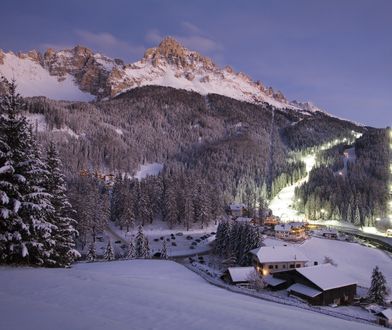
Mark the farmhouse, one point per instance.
(271, 259)
(293, 231)
(238, 275)
(319, 285)
(237, 209)
(384, 318)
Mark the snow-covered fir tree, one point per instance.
(109, 253)
(164, 250)
(91, 252)
(65, 233)
(378, 290)
(25, 230)
(142, 249)
(130, 251)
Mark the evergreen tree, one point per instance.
(131, 250)
(357, 217)
(109, 253)
(25, 232)
(91, 253)
(142, 249)
(164, 250)
(65, 233)
(378, 290)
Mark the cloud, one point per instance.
(109, 44)
(191, 28)
(153, 36)
(200, 43)
(103, 42)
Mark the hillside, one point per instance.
(110, 295)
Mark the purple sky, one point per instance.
(336, 53)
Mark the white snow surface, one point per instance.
(240, 274)
(279, 253)
(148, 169)
(140, 294)
(326, 276)
(221, 82)
(33, 80)
(303, 289)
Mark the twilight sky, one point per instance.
(335, 53)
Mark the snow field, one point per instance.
(139, 294)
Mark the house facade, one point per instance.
(272, 259)
(293, 231)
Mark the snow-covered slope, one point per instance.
(33, 80)
(140, 294)
(55, 73)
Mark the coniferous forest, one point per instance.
(214, 150)
(359, 196)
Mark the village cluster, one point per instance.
(285, 268)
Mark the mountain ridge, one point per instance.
(89, 76)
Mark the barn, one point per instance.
(319, 285)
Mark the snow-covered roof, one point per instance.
(326, 276)
(267, 254)
(329, 231)
(237, 206)
(272, 281)
(240, 274)
(243, 219)
(305, 290)
(288, 226)
(387, 313)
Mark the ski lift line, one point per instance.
(271, 152)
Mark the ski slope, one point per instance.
(140, 294)
(281, 204)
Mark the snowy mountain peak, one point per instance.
(83, 74)
(172, 52)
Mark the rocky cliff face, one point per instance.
(169, 64)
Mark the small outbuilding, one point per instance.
(238, 275)
(384, 318)
(237, 209)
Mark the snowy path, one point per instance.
(140, 294)
(281, 204)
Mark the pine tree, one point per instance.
(357, 217)
(164, 250)
(109, 253)
(131, 250)
(91, 253)
(349, 213)
(25, 232)
(378, 288)
(142, 249)
(65, 233)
